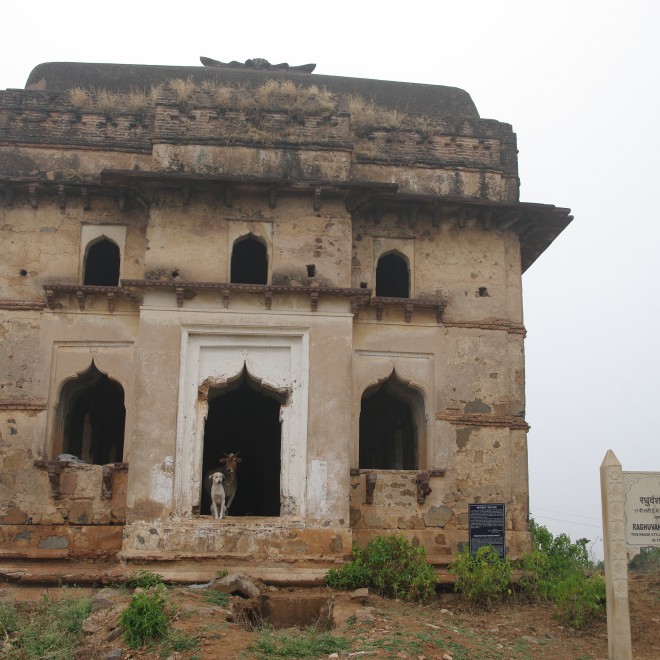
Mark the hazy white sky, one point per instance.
(578, 81)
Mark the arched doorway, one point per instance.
(392, 276)
(93, 416)
(249, 261)
(102, 263)
(244, 417)
(391, 420)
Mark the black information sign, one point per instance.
(487, 527)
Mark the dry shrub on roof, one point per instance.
(273, 94)
(79, 98)
(184, 90)
(111, 103)
(222, 95)
(367, 116)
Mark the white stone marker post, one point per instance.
(616, 558)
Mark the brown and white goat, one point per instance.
(230, 462)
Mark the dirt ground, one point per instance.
(380, 628)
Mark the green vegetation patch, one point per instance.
(47, 629)
(309, 643)
(391, 565)
(483, 578)
(146, 618)
(561, 571)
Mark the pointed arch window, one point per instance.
(249, 261)
(391, 423)
(92, 417)
(244, 417)
(102, 260)
(392, 276)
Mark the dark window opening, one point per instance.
(249, 262)
(311, 270)
(94, 417)
(102, 264)
(388, 427)
(392, 277)
(245, 420)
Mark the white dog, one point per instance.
(217, 495)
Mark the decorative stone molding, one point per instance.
(22, 405)
(53, 291)
(19, 305)
(408, 305)
(489, 324)
(483, 419)
(187, 290)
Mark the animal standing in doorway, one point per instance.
(217, 495)
(230, 462)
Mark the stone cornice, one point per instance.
(482, 419)
(18, 305)
(22, 404)
(490, 324)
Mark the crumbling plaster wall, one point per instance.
(196, 240)
(151, 491)
(45, 242)
(476, 270)
(56, 347)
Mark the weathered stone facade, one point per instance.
(330, 286)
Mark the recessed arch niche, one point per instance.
(392, 419)
(403, 378)
(91, 417)
(272, 363)
(243, 417)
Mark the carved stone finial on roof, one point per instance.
(257, 63)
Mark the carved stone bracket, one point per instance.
(108, 478)
(371, 486)
(106, 483)
(409, 305)
(54, 472)
(423, 486)
(54, 469)
(82, 291)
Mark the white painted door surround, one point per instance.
(279, 358)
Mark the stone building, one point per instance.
(320, 273)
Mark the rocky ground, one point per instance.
(371, 626)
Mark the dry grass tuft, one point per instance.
(367, 116)
(112, 103)
(183, 89)
(80, 98)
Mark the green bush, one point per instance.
(647, 561)
(391, 566)
(145, 579)
(560, 571)
(578, 598)
(145, 619)
(483, 578)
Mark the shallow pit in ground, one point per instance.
(286, 610)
